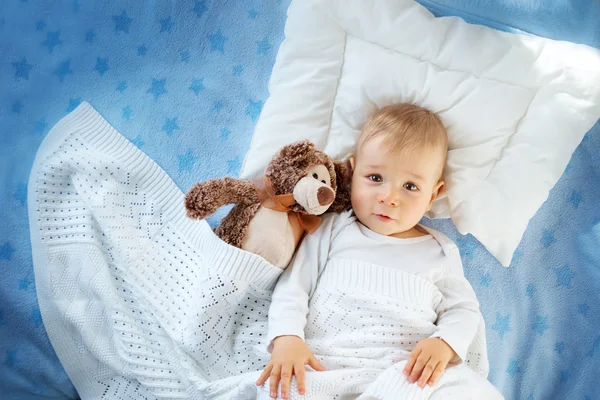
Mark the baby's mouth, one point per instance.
(384, 218)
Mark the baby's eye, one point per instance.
(410, 187)
(375, 178)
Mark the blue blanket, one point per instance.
(189, 78)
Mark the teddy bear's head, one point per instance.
(308, 173)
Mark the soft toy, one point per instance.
(272, 213)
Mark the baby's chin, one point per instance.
(383, 228)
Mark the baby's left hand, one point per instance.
(428, 360)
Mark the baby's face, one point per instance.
(391, 193)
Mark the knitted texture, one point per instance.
(141, 302)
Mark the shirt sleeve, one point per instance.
(458, 312)
(289, 305)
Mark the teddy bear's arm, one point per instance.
(204, 198)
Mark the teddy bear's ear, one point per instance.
(343, 177)
(297, 150)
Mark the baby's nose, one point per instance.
(389, 198)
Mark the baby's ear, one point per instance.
(438, 190)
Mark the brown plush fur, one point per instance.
(343, 176)
(286, 168)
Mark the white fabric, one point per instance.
(425, 275)
(516, 106)
(140, 302)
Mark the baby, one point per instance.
(373, 289)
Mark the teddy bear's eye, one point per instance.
(315, 176)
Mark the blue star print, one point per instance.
(530, 290)
(22, 69)
(73, 103)
(121, 86)
(76, 6)
(583, 309)
(40, 126)
(237, 70)
(516, 257)
(185, 56)
(127, 112)
(559, 347)
(547, 238)
(197, 86)
(158, 88)
(166, 25)
(142, 50)
(187, 161)
(199, 7)
(40, 25)
(263, 47)
(564, 275)
(225, 133)
(233, 166)
(502, 324)
(63, 70)
(101, 65)
(541, 325)
(513, 367)
(254, 108)
(252, 14)
(138, 141)
(89, 36)
(486, 279)
(564, 375)
(122, 22)
(467, 246)
(217, 42)
(36, 317)
(25, 282)
(52, 41)
(218, 106)
(17, 106)
(21, 193)
(576, 199)
(6, 251)
(170, 126)
(11, 358)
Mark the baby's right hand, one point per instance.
(288, 358)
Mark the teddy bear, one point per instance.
(272, 213)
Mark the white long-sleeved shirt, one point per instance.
(343, 241)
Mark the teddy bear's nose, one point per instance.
(325, 195)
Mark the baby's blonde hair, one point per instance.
(407, 127)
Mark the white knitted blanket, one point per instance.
(140, 302)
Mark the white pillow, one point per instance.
(515, 106)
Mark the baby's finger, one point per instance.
(300, 373)
(439, 370)
(265, 374)
(274, 383)
(412, 359)
(315, 364)
(286, 377)
(418, 368)
(429, 368)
